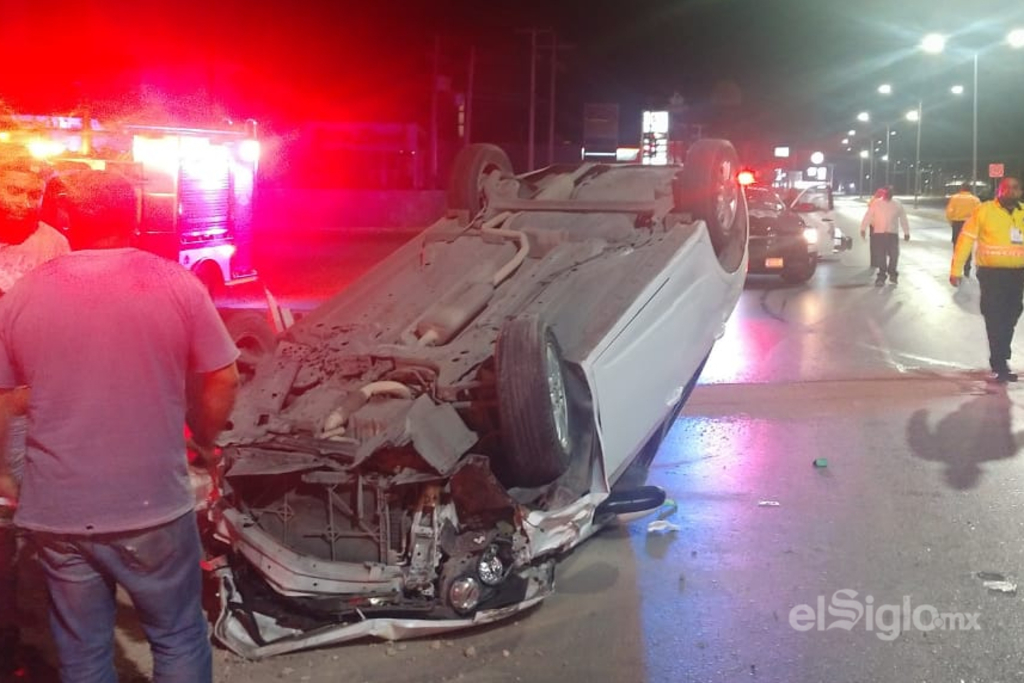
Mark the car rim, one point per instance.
(556, 393)
(725, 198)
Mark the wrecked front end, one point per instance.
(392, 528)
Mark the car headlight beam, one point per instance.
(811, 235)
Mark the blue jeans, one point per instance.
(159, 568)
(8, 541)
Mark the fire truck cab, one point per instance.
(195, 190)
(195, 187)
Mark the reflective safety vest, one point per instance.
(961, 206)
(999, 235)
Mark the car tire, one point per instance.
(707, 188)
(534, 408)
(252, 335)
(800, 274)
(472, 164)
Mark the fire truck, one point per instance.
(195, 189)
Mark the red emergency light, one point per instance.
(745, 178)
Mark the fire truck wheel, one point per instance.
(707, 188)
(254, 337)
(209, 274)
(472, 165)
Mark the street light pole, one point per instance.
(917, 156)
(974, 153)
(887, 159)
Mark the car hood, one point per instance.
(766, 224)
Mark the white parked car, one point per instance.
(816, 206)
(417, 453)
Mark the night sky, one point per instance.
(803, 67)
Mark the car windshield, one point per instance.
(763, 202)
(815, 196)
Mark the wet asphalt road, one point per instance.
(919, 504)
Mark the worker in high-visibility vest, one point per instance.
(958, 209)
(997, 226)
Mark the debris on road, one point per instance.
(821, 462)
(768, 503)
(470, 652)
(1008, 587)
(668, 508)
(659, 525)
(997, 583)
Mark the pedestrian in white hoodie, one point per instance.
(885, 216)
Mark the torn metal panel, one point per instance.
(257, 461)
(481, 500)
(438, 434)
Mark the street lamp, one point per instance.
(885, 89)
(934, 43)
(957, 90)
(863, 117)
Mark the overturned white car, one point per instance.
(417, 453)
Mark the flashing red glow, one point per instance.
(249, 151)
(745, 178)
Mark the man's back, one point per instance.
(105, 340)
(960, 206)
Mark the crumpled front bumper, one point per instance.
(256, 636)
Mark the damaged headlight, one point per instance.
(464, 594)
(492, 567)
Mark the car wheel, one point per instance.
(252, 335)
(472, 165)
(533, 404)
(800, 274)
(707, 189)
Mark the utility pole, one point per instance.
(551, 104)
(469, 95)
(555, 48)
(433, 111)
(533, 98)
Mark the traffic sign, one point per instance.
(995, 170)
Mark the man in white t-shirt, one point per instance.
(884, 217)
(25, 242)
